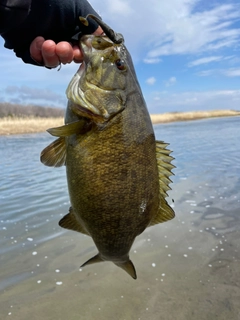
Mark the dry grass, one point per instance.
(17, 125)
(193, 115)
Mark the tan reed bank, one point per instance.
(21, 125)
(192, 115)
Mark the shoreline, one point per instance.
(192, 116)
(24, 125)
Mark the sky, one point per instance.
(186, 54)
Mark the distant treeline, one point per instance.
(17, 110)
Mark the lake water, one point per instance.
(188, 268)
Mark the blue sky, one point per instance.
(186, 54)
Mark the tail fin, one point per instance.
(128, 266)
(94, 259)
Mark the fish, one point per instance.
(118, 174)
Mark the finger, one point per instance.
(36, 49)
(50, 57)
(64, 52)
(77, 54)
(99, 31)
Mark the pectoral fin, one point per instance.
(54, 155)
(70, 222)
(165, 212)
(69, 129)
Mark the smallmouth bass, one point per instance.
(117, 173)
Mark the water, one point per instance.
(188, 268)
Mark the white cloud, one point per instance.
(232, 72)
(206, 73)
(190, 32)
(194, 100)
(33, 95)
(118, 7)
(205, 61)
(170, 82)
(155, 28)
(151, 81)
(152, 61)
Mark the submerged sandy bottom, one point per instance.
(187, 268)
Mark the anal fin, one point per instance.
(70, 222)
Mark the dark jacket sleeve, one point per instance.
(21, 21)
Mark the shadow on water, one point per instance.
(188, 268)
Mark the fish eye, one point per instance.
(120, 64)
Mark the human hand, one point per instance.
(50, 54)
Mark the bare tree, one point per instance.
(16, 110)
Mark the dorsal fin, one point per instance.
(54, 155)
(165, 212)
(164, 166)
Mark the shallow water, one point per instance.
(188, 268)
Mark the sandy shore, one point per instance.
(17, 125)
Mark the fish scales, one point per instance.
(109, 173)
(113, 162)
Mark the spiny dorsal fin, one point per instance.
(54, 155)
(165, 212)
(68, 129)
(70, 222)
(164, 166)
(128, 266)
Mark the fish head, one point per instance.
(98, 90)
